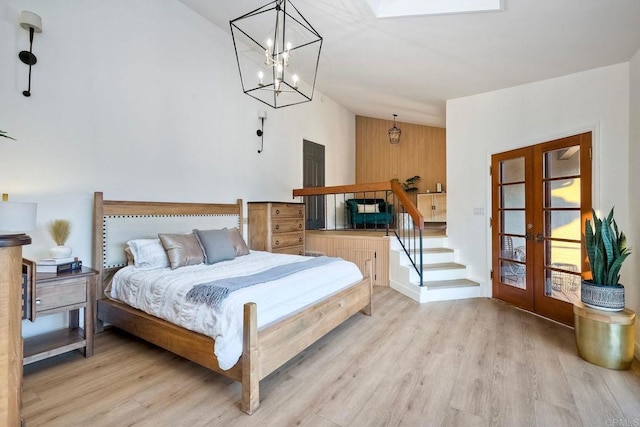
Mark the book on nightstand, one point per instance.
(56, 261)
(59, 268)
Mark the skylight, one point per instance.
(395, 8)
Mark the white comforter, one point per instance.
(161, 292)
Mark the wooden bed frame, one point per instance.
(264, 349)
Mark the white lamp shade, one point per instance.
(31, 20)
(16, 217)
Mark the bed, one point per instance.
(264, 348)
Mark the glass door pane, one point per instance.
(562, 223)
(513, 269)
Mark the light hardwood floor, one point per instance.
(474, 362)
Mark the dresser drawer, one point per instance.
(287, 225)
(287, 239)
(291, 250)
(60, 294)
(287, 211)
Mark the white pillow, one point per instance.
(148, 253)
(372, 208)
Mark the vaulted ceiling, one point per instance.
(411, 65)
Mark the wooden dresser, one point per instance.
(276, 227)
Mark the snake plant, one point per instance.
(606, 249)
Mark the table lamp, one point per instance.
(16, 217)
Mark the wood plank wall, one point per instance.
(354, 247)
(421, 151)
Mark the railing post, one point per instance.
(421, 272)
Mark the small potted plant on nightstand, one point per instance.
(607, 250)
(59, 230)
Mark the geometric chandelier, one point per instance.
(278, 53)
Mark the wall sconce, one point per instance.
(262, 115)
(33, 23)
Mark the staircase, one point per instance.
(443, 278)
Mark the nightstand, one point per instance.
(49, 293)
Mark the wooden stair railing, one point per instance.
(409, 233)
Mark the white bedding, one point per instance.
(161, 292)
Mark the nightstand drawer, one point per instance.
(60, 294)
(287, 239)
(287, 225)
(287, 211)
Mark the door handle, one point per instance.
(539, 238)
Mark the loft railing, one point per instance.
(369, 207)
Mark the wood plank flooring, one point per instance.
(476, 362)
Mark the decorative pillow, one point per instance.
(216, 245)
(182, 249)
(129, 254)
(374, 208)
(237, 241)
(148, 253)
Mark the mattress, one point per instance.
(161, 292)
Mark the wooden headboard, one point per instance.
(116, 222)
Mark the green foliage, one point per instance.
(3, 134)
(408, 184)
(606, 249)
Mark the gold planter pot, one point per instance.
(605, 338)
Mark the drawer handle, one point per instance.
(38, 301)
(277, 211)
(300, 240)
(277, 242)
(299, 225)
(277, 227)
(300, 212)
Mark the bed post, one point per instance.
(250, 360)
(98, 211)
(368, 274)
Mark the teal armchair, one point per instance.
(363, 212)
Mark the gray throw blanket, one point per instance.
(214, 292)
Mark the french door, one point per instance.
(541, 196)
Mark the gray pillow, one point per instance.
(216, 245)
(182, 249)
(237, 241)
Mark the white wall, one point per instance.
(142, 100)
(482, 125)
(632, 282)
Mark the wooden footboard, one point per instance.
(264, 350)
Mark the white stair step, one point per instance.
(443, 278)
(444, 271)
(427, 242)
(435, 255)
(445, 290)
(448, 284)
